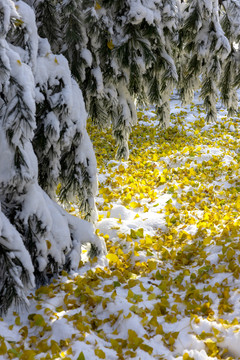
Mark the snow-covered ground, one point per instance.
(170, 219)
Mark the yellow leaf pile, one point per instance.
(172, 286)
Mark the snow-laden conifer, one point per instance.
(135, 59)
(230, 79)
(205, 48)
(130, 53)
(48, 21)
(37, 237)
(121, 54)
(62, 145)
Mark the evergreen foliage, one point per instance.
(230, 79)
(43, 142)
(133, 52)
(207, 47)
(120, 52)
(48, 21)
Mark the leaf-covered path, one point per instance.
(170, 218)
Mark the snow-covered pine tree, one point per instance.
(230, 77)
(62, 145)
(49, 24)
(121, 54)
(167, 76)
(16, 272)
(37, 237)
(204, 49)
(125, 53)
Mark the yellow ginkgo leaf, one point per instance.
(24, 332)
(49, 245)
(97, 6)
(3, 348)
(55, 347)
(17, 320)
(186, 356)
(121, 168)
(18, 22)
(152, 296)
(100, 353)
(28, 355)
(146, 348)
(81, 356)
(162, 179)
(113, 258)
(134, 204)
(110, 44)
